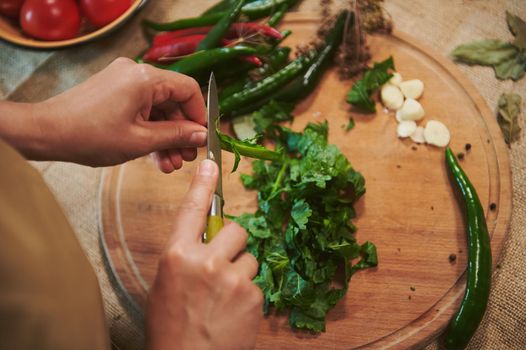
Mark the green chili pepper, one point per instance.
(264, 87)
(221, 6)
(263, 8)
(185, 22)
(276, 60)
(227, 70)
(253, 10)
(215, 34)
(203, 60)
(464, 324)
(304, 85)
(278, 16)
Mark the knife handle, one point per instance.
(215, 218)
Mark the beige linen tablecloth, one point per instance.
(442, 24)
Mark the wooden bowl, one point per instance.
(11, 32)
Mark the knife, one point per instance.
(215, 215)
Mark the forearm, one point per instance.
(27, 127)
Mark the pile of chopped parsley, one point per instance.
(302, 233)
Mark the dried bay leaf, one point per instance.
(512, 68)
(518, 28)
(509, 108)
(485, 52)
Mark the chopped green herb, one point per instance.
(302, 233)
(360, 94)
(350, 125)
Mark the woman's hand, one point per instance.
(203, 296)
(123, 112)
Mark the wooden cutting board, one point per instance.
(409, 211)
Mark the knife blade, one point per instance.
(215, 215)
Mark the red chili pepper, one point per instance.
(168, 37)
(173, 49)
(252, 59)
(236, 30)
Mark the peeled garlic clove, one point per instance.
(244, 127)
(412, 88)
(392, 97)
(436, 133)
(396, 79)
(411, 110)
(398, 117)
(406, 128)
(418, 135)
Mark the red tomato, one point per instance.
(50, 19)
(101, 12)
(10, 8)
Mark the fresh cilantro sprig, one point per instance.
(360, 94)
(302, 233)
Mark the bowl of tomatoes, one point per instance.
(52, 24)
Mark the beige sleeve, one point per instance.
(49, 294)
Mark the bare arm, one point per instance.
(123, 112)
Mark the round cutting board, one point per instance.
(409, 210)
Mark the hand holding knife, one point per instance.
(215, 215)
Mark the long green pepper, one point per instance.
(465, 322)
(221, 6)
(302, 86)
(213, 38)
(277, 59)
(184, 23)
(202, 60)
(264, 87)
(252, 11)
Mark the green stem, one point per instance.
(279, 178)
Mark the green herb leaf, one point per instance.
(512, 68)
(270, 113)
(375, 77)
(359, 97)
(302, 235)
(509, 108)
(350, 125)
(518, 28)
(485, 52)
(369, 257)
(301, 213)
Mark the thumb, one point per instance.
(169, 134)
(190, 219)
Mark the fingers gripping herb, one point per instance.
(301, 232)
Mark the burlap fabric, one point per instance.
(441, 24)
